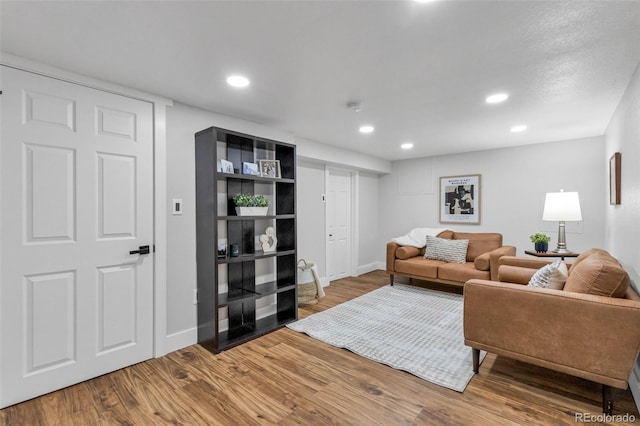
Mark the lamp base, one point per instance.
(562, 240)
(561, 250)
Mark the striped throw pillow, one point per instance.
(553, 276)
(453, 251)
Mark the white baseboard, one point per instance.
(324, 281)
(363, 269)
(181, 339)
(634, 384)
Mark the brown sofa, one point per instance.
(483, 253)
(590, 329)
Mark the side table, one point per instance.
(551, 254)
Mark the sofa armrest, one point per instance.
(391, 256)
(525, 262)
(593, 337)
(519, 270)
(494, 258)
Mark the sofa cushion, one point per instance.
(405, 252)
(553, 276)
(461, 272)
(586, 254)
(599, 274)
(483, 262)
(418, 266)
(446, 250)
(479, 242)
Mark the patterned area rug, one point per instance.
(408, 328)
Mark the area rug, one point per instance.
(408, 328)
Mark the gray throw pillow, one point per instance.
(453, 251)
(554, 275)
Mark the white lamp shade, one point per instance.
(562, 206)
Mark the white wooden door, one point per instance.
(76, 197)
(338, 224)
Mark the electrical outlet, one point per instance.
(195, 296)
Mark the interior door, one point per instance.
(76, 198)
(338, 224)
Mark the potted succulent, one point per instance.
(251, 205)
(541, 242)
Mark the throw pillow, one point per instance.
(453, 251)
(599, 274)
(553, 276)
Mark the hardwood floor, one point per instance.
(290, 378)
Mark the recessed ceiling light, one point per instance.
(238, 81)
(406, 145)
(423, 1)
(519, 128)
(366, 129)
(497, 98)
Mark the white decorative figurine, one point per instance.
(269, 240)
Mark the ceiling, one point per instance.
(421, 71)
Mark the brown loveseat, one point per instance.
(590, 329)
(483, 253)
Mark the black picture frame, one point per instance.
(614, 178)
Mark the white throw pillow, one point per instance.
(553, 276)
(453, 251)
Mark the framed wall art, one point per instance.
(460, 199)
(614, 178)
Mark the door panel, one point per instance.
(50, 193)
(76, 181)
(116, 196)
(49, 109)
(116, 307)
(50, 318)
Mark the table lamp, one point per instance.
(562, 207)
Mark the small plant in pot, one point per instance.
(541, 242)
(251, 205)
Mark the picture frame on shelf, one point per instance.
(226, 166)
(460, 199)
(614, 178)
(270, 168)
(250, 169)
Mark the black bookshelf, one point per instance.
(214, 210)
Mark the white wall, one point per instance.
(513, 186)
(334, 156)
(623, 221)
(368, 223)
(310, 186)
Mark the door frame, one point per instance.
(353, 219)
(159, 108)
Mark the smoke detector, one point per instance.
(354, 106)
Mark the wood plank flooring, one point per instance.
(289, 378)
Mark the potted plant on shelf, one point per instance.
(541, 242)
(251, 205)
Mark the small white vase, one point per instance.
(252, 211)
